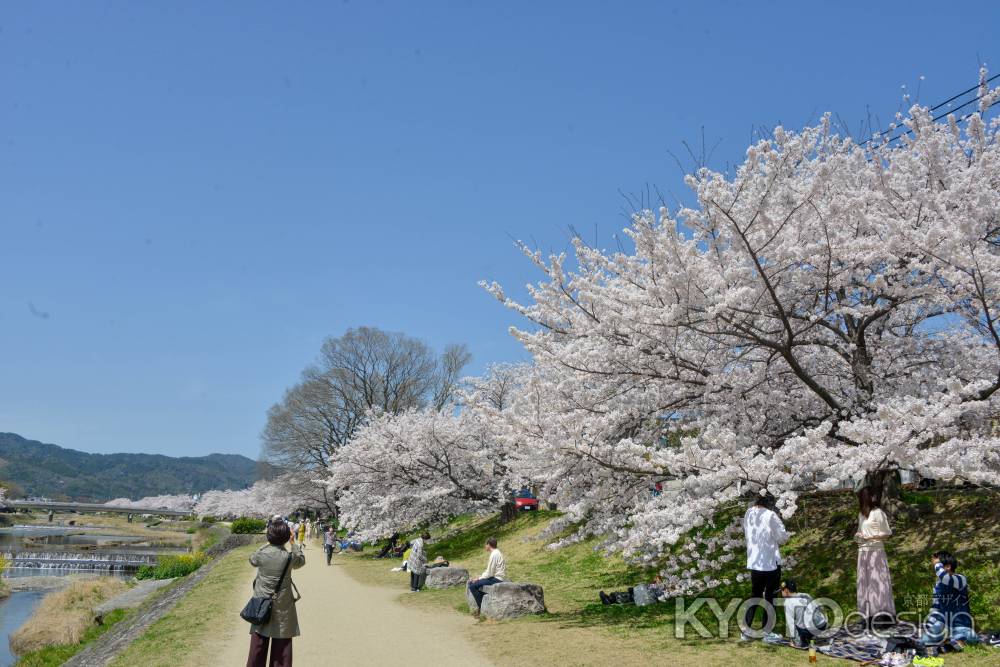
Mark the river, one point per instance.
(14, 611)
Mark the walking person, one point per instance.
(496, 572)
(764, 533)
(416, 564)
(875, 602)
(329, 540)
(273, 562)
(302, 534)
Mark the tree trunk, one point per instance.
(888, 486)
(508, 512)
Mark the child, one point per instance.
(803, 617)
(950, 609)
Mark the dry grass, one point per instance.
(62, 617)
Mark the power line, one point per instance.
(964, 92)
(943, 115)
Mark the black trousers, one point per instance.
(763, 584)
(329, 552)
(281, 651)
(417, 581)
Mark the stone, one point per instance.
(446, 577)
(643, 596)
(130, 599)
(508, 600)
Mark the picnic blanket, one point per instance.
(852, 643)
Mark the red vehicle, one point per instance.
(525, 500)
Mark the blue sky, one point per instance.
(193, 195)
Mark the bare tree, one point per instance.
(364, 369)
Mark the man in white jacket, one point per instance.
(496, 572)
(764, 533)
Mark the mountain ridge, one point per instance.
(49, 470)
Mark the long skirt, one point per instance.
(874, 582)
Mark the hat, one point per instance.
(439, 559)
(788, 584)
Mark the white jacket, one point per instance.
(496, 567)
(764, 532)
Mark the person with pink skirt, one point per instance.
(875, 602)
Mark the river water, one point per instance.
(14, 611)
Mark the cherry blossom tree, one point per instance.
(825, 315)
(262, 500)
(419, 466)
(177, 503)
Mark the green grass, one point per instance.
(170, 566)
(183, 634)
(52, 656)
(966, 522)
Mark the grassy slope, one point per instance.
(184, 636)
(52, 656)
(579, 630)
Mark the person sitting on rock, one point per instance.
(496, 572)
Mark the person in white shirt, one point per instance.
(764, 533)
(496, 572)
(875, 601)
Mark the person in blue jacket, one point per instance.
(950, 609)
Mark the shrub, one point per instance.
(246, 525)
(172, 566)
(209, 519)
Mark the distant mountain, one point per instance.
(66, 474)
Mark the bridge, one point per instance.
(91, 507)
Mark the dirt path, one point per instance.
(344, 622)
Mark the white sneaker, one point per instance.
(744, 637)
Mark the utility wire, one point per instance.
(940, 116)
(964, 92)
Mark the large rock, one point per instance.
(446, 577)
(511, 600)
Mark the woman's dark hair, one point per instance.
(278, 533)
(868, 500)
(425, 535)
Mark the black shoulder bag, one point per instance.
(258, 610)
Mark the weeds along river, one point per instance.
(40, 558)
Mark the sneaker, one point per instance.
(928, 661)
(744, 637)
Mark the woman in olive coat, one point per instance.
(270, 561)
